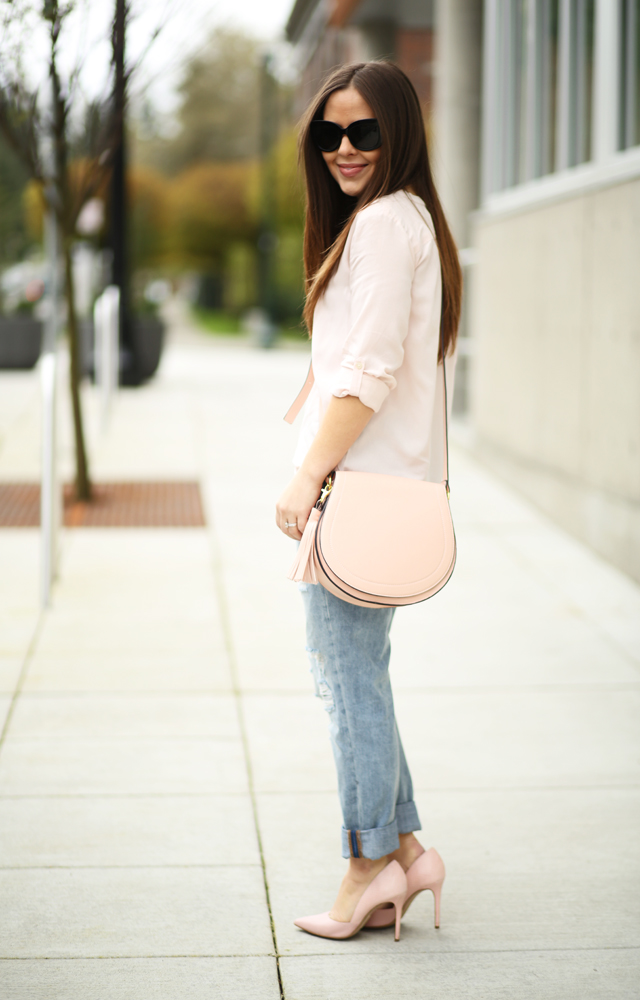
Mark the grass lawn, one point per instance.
(216, 321)
(225, 324)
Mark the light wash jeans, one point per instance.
(349, 651)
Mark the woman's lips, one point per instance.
(351, 169)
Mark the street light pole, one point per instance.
(267, 239)
(120, 262)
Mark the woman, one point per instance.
(383, 305)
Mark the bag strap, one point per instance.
(303, 395)
(445, 459)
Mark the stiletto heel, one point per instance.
(437, 890)
(398, 904)
(426, 872)
(389, 886)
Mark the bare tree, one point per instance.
(68, 182)
(25, 119)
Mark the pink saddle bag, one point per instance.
(376, 540)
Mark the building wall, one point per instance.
(332, 50)
(455, 148)
(556, 391)
(412, 51)
(401, 30)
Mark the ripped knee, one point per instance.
(323, 691)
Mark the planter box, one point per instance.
(147, 333)
(20, 341)
(148, 341)
(86, 334)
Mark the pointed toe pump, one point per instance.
(426, 872)
(389, 886)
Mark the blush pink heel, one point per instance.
(389, 886)
(426, 872)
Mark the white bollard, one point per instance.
(106, 318)
(50, 491)
(49, 499)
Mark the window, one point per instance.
(575, 79)
(539, 58)
(629, 74)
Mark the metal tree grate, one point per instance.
(114, 505)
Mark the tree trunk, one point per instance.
(83, 483)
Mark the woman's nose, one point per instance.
(346, 149)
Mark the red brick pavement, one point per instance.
(114, 505)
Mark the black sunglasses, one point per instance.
(363, 135)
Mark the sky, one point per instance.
(186, 24)
(189, 22)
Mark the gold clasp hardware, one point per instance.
(446, 485)
(327, 486)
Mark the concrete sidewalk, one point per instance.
(168, 801)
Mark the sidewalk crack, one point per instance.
(223, 607)
(22, 676)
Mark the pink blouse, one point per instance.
(375, 336)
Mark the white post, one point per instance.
(50, 500)
(605, 84)
(457, 110)
(106, 347)
(490, 101)
(98, 350)
(114, 338)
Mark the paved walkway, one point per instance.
(168, 798)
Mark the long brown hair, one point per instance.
(403, 163)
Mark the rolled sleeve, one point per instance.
(382, 266)
(353, 380)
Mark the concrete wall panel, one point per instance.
(612, 368)
(556, 394)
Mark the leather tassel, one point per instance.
(303, 569)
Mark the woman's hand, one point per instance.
(296, 503)
(342, 424)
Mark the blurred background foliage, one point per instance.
(219, 111)
(196, 190)
(198, 194)
(15, 237)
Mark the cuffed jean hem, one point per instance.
(381, 840)
(407, 817)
